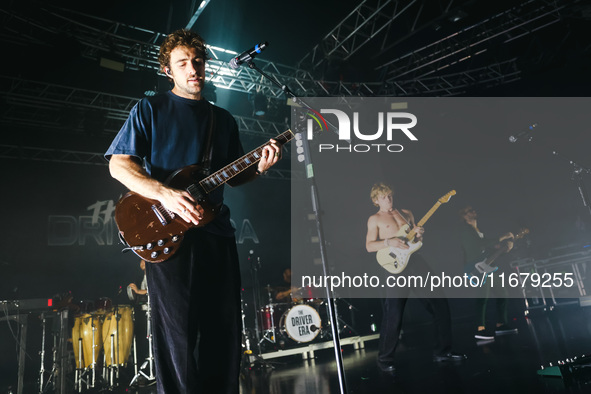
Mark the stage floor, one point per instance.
(507, 365)
(510, 364)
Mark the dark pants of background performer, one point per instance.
(501, 303)
(393, 310)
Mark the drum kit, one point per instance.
(287, 317)
(297, 321)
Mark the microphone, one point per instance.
(523, 133)
(248, 55)
(314, 328)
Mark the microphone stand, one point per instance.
(316, 208)
(577, 176)
(255, 265)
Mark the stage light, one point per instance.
(112, 63)
(457, 16)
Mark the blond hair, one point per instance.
(377, 190)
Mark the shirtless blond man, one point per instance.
(382, 229)
(383, 226)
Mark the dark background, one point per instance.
(552, 61)
(463, 145)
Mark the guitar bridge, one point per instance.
(159, 215)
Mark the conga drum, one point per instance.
(76, 336)
(118, 325)
(84, 325)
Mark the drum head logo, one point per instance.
(302, 323)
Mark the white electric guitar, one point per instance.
(395, 260)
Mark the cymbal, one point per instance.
(298, 292)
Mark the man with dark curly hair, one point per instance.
(194, 295)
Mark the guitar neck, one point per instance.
(228, 172)
(502, 248)
(491, 259)
(421, 223)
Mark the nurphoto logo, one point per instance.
(390, 125)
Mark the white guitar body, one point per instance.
(394, 260)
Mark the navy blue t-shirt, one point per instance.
(168, 132)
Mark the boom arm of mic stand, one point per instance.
(289, 93)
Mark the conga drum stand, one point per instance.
(86, 375)
(111, 353)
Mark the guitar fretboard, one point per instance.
(429, 214)
(228, 172)
(411, 234)
(421, 222)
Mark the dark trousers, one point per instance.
(393, 311)
(195, 301)
(501, 304)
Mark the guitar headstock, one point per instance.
(522, 233)
(447, 197)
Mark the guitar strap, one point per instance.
(403, 217)
(207, 151)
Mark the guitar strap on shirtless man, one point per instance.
(381, 230)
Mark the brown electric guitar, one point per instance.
(153, 232)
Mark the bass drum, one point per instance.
(301, 323)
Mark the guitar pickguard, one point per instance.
(395, 260)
